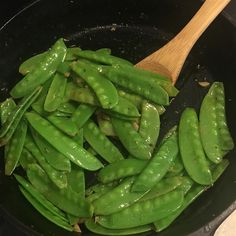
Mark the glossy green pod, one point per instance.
(158, 166)
(63, 143)
(26, 159)
(100, 143)
(215, 135)
(191, 149)
(42, 72)
(6, 108)
(67, 107)
(176, 166)
(145, 212)
(71, 53)
(15, 147)
(131, 139)
(98, 229)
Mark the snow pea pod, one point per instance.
(158, 166)
(79, 137)
(102, 58)
(26, 159)
(191, 149)
(81, 115)
(131, 139)
(42, 72)
(63, 143)
(141, 86)
(6, 108)
(100, 143)
(176, 166)
(121, 169)
(98, 229)
(215, 135)
(71, 53)
(144, 212)
(45, 212)
(59, 178)
(65, 199)
(55, 93)
(64, 69)
(117, 199)
(15, 147)
(52, 156)
(105, 126)
(103, 88)
(67, 107)
(32, 62)
(149, 124)
(100, 188)
(105, 51)
(15, 116)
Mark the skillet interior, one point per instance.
(132, 29)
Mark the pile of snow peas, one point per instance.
(80, 112)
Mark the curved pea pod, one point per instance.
(191, 149)
(103, 88)
(121, 169)
(63, 143)
(117, 199)
(6, 108)
(102, 58)
(98, 229)
(158, 166)
(15, 116)
(41, 73)
(131, 139)
(163, 187)
(15, 147)
(215, 135)
(149, 127)
(65, 199)
(32, 62)
(45, 212)
(64, 124)
(39, 197)
(100, 143)
(55, 93)
(71, 53)
(81, 115)
(52, 156)
(26, 159)
(141, 86)
(59, 178)
(144, 212)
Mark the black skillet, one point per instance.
(132, 29)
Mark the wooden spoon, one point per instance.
(169, 59)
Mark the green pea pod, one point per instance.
(149, 124)
(71, 53)
(176, 167)
(39, 197)
(79, 137)
(26, 159)
(6, 108)
(76, 180)
(102, 58)
(158, 166)
(63, 143)
(42, 72)
(67, 107)
(64, 69)
(82, 114)
(52, 156)
(100, 188)
(144, 212)
(121, 169)
(14, 118)
(98, 229)
(65, 199)
(103, 88)
(15, 147)
(105, 51)
(64, 124)
(117, 199)
(191, 149)
(141, 86)
(59, 178)
(131, 139)
(215, 135)
(45, 212)
(105, 126)
(100, 143)
(30, 64)
(163, 187)
(56, 93)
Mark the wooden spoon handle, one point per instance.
(173, 54)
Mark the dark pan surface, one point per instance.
(132, 29)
